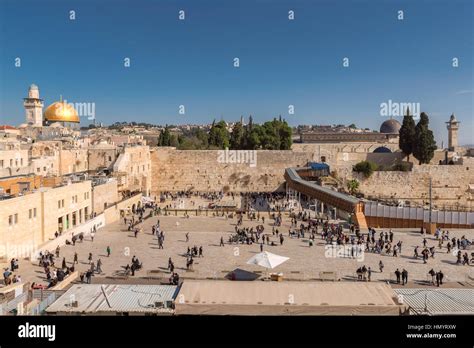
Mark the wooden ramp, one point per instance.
(360, 220)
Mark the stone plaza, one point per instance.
(305, 262)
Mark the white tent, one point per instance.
(267, 260)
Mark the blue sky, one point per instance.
(282, 62)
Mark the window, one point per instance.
(16, 219)
(1, 163)
(110, 158)
(21, 162)
(44, 169)
(30, 214)
(11, 163)
(59, 204)
(143, 168)
(34, 212)
(38, 170)
(10, 220)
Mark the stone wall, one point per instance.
(176, 170)
(199, 170)
(450, 185)
(104, 195)
(112, 213)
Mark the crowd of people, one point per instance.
(265, 211)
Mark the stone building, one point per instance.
(388, 134)
(133, 169)
(32, 218)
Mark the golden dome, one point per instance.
(61, 112)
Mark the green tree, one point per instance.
(424, 144)
(174, 141)
(407, 135)
(353, 186)
(365, 167)
(237, 136)
(164, 137)
(219, 135)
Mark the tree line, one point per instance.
(271, 135)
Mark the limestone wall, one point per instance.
(450, 185)
(104, 195)
(178, 170)
(112, 213)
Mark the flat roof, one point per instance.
(286, 297)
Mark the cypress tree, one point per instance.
(407, 135)
(424, 145)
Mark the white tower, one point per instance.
(453, 127)
(33, 107)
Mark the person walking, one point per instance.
(99, 266)
(90, 258)
(108, 251)
(381, 266)
(88, 277)
(397, 274)
(187, 237)
(222, 241)
(404, 276)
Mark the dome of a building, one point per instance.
(33, 86)
(390, 126)
(61, 112)
(382, 149)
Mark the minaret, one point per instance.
(33, 107)
(453, 127)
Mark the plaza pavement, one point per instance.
(305, 262)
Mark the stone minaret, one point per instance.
(33, 107)
(453, 127)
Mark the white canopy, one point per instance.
(267, 260)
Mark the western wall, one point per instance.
(199, 170)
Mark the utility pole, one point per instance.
(431, 202)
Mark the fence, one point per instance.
(40, 307)
(392, 216)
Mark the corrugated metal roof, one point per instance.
(120, 298)
(439, 301)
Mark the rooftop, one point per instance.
(97, 298)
